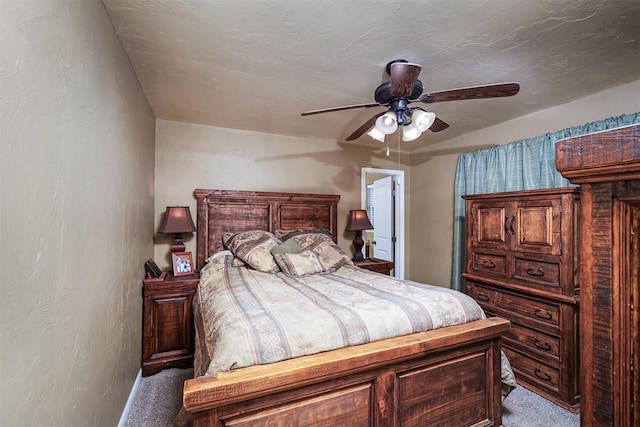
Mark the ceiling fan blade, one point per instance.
(403, 78)
(438, 125)
(344, 107)
(365, 126)
(474, 92)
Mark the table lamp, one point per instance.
(177, 220)
(358, 221)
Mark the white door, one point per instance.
(383, 213)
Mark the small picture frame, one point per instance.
(182, 263)
(152, 268)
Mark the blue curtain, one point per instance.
(527, 164)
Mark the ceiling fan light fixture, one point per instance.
(387, 123)
(376, 134)
(410, 132)
(423, 119)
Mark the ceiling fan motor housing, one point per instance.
(383, 93)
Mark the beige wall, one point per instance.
(77, 215)
(193, 156)
(432, 182)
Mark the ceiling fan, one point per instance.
(404, 89)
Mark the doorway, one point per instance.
(398, 242)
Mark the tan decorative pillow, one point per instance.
(254, 248)
(287, 234)
(329, 254)
(302, 264)
(308, 239)
(236, 262)
(288, 247)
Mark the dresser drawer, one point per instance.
(538, 272)
(533, 371)
(537, 311)
(489, 264)
(486, 297)
(535, 340)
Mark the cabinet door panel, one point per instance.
(490, 225)
(537, 228)
(172, 322)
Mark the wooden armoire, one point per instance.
(521, 263)
(606, 165)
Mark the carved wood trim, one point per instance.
(220, 211)
(611, 155)
(607, 165)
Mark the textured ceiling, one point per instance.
(257, 65)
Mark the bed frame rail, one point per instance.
(448, 376)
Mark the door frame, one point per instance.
(399, 218)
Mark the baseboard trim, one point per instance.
(132, 396)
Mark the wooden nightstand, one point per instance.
(377, 265)
(167, 323)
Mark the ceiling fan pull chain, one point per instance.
(398, 150)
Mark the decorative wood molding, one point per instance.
(611, 155)
(607, 165)
(220, 211)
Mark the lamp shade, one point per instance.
(358, 221)
(410, 132)
(177, 219)
(423, 119)
(376, 134)
(387, 123)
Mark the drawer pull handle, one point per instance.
(540, 314)
(533, 272)
(483, 297)
(545, 377)
(543, 346)
(506, 227)
(489, 264)
(513, 220)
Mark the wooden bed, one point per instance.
(449, 376)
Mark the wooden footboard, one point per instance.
(446, 377)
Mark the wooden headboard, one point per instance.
(221, 211)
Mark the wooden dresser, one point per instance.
(607, 167)
(521, 264)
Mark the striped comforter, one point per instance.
(246, 317)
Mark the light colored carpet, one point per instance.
(523, 408)
(159, 398)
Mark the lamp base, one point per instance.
(178, 245)
(358, 243)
